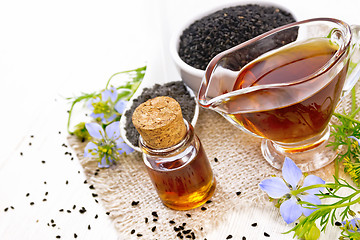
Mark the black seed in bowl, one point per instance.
(226, 28)
(175, 89)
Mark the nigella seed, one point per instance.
(67, 182)
(21, 154)
(61, 210)
(44, 200)
(154, 214)
(43, 162)
(192, 235)
(74, 206)
(69, 211)
(107, 213)
(32, 203)
(12, 207)
(254, 224)
(89, 227)
(58, 236)
(171, 222)
(266, 234)
(94, 195)
(208, 201)
(6, 209)
(75, 235)
(28, 194)
(85, 182)
(29, 143)
(186, 231)
(155, 220)
(153, 229)
(337, 224)
(139, 235)
(46, 193)
(96, 216)
(203, 208)
(82, 210)
(188, 215)
(243, 238)
(134, 203)
(132, 231)
(91, 186)
(216, 160)
(229, 237)
(238, 193)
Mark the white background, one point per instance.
(50, 50)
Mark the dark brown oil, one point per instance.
(299, 120)
(184, 184)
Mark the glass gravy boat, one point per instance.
(284, 86)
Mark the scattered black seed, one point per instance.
(139, 235)
(107, 213)
(176, 229)
(186, 231)
(146, 220)
(203, 208)
(254, 224)
(89, 227)
(74, 206)
(155, 220)
(96, 173)
(243, 238)
(91, 186)
(154, 214)
(94, 195)
(229, 237)
(171, 222)
(83, 210)
(208, 201)
(184, 224)
(216, 160)
(45, 182)
(21, 154)
(132, 231)
(58, 236)
(179, 234)
(6, 209)
(29, 143)
(238, 193)
(153, 229)
(59, 132)
(28, 194)
(188, 215)
(96, 201)
(32, 136)
(53, 225)
(61, 210)
(266, 234)
(201, 228)
(337, 223)
(96, 216)
(12, 207)
(32, 203)
(226, 28)
(176, 90)
(192, 235)
(188, 236)
(85, 182)
(44, 200)
(69, 211)
(134, 203)
(75, 235)
(64, 145)
(67, 182)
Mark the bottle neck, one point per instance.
(172, 150)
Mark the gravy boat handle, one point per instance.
(354, 64)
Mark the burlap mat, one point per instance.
(238, 169)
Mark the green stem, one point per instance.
(348, 118)
(303, 189)
(128, 71)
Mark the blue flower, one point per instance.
(104, 107)
(358, 141)
(285, 190)
(353, 225)
(107, 146)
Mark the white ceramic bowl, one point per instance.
(193, 76)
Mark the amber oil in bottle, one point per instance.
(175, 159)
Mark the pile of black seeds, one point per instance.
(226, 28)
(176, 90)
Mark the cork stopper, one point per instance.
(160, 122)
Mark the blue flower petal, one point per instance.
(291, 173)
(95, 130)
(105, 164)
(312, 180)
(120, 106)
(109, 93)
(113, 130)
(110, 119)
(353, 223)
(311, 199)
(124, 148)
(355, 139)
(290, 210)
(97, 115)
(90, 149)
(275, 187)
